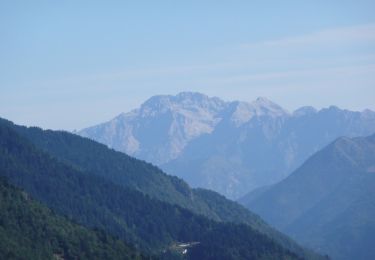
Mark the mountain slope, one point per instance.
(227, 146)
(99, 161)
(149, 224)
(29, 230)
(327, 203)
(159, 130)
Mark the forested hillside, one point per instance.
(29, 230)
(148, 224)
(97, 160)
(329, 202)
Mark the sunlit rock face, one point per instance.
(160, 129)
(230, 147)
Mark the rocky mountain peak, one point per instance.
(303, 111)
(245, 111)
(264, 106)
(184, 101)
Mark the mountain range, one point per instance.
(328, 203)
(227, 146)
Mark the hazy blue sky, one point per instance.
(71, 64)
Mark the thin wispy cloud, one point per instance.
(264, 60)
(283, 52)
(254, 79)
(363, 34)
(304, 65)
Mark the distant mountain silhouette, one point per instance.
(328, 203)
(230, 147)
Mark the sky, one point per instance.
(72, 64)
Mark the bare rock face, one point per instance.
(230, 147)
(160, 129)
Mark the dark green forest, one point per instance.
(29, 230)
(150, 225)
(97, 160)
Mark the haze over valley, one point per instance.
(227, 146)
(187, 130)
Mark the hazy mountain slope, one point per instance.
(122, 170)
(29, 230)
(117, 167)
(328, 203)
(159, 130)
(149, 224)
(236, 159)
(227, 146)
(347, 235)
(253, 195)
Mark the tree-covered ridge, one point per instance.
(149, 224)
(29, 230)
(328, 204)
(98, 160)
